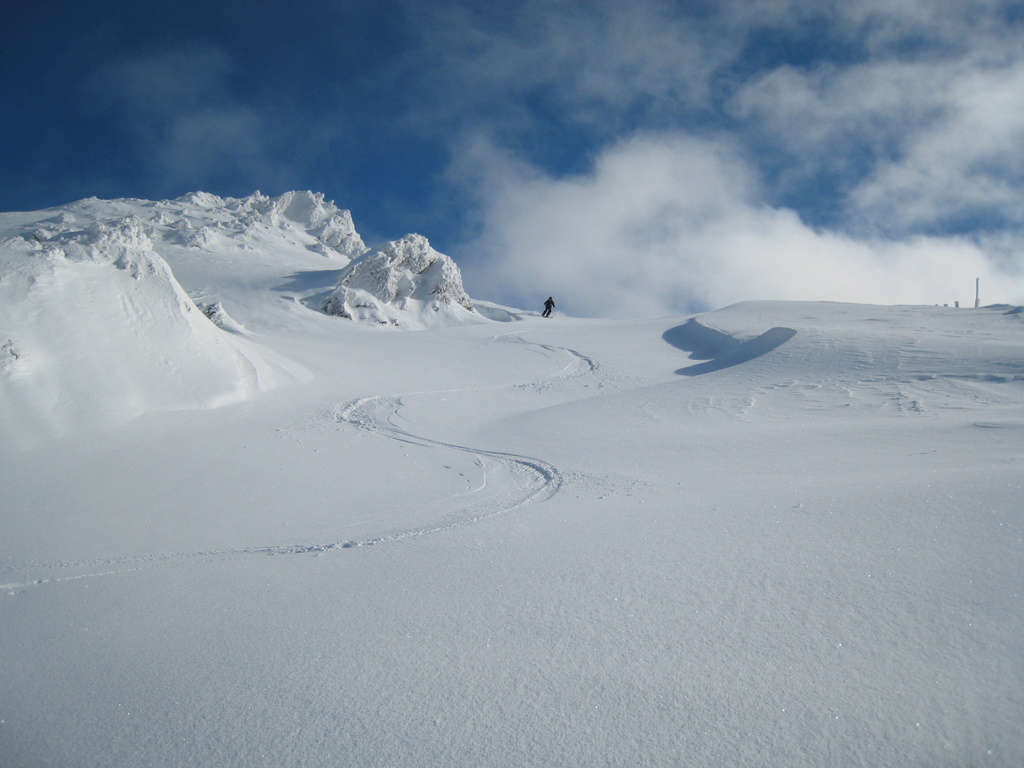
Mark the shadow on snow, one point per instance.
(720, 349)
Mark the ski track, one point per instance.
(528, 480)
(578, 364)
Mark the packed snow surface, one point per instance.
(239, 531)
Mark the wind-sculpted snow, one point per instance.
(200, 217)
(858, 356)
(723, 350)
(406, 284)
(97, 330)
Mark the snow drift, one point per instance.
(95, 329)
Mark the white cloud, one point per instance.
(923, 133)
(902, 116)
(667, 224)
(944, 141)
(968, 163)
(816, 115)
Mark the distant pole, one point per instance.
(977, 292)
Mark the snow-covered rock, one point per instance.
(219, 316)
(406, 284)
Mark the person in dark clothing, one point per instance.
(548, 306)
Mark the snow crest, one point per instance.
(326, 228)
(321, 219)
(405, 284)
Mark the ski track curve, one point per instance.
(532, 479)
(528, 480)
(576, 366)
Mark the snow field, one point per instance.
(532, 543)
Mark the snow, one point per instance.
(98, 330)
(780, 533)
(404, 283)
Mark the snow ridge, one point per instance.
(201, 217)
(120, 335)
(95, 329)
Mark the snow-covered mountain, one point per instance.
(105, 306)
(779, 533)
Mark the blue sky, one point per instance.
(631, 157)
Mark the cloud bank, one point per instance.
(668, 223)
(791, 150)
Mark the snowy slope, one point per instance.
(775, 534)
(95, 327)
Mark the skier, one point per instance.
(548, 306)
